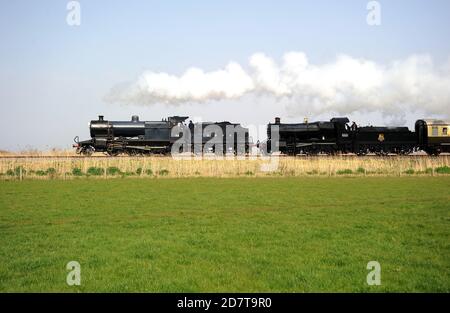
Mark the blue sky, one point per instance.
(54, 77)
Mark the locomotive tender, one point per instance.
(336, 136)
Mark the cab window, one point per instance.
(444, 131)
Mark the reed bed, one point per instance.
(162, 167)
(39, 153)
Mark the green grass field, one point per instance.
(237, 235)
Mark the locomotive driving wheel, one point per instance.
(87, 151)
(132, 152)
(362, 152)
(405, 151)
(111, 151)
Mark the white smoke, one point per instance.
(344, 86)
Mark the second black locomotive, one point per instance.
(337, 136)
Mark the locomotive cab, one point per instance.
(343, 133)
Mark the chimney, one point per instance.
(100, 118)
(277, 120)
(135, 118)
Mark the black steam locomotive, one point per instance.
(337, 136)
(137, 137)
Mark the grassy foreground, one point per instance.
(205, 234)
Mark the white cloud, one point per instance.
(346, 85)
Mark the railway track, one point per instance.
(165, 156)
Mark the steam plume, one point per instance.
(346, 85)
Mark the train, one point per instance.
(336, 136)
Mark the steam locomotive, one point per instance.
(137, 137)
(336, 136)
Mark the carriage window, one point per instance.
(444, 131)
(434, 131)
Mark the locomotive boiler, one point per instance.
(310, 138)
